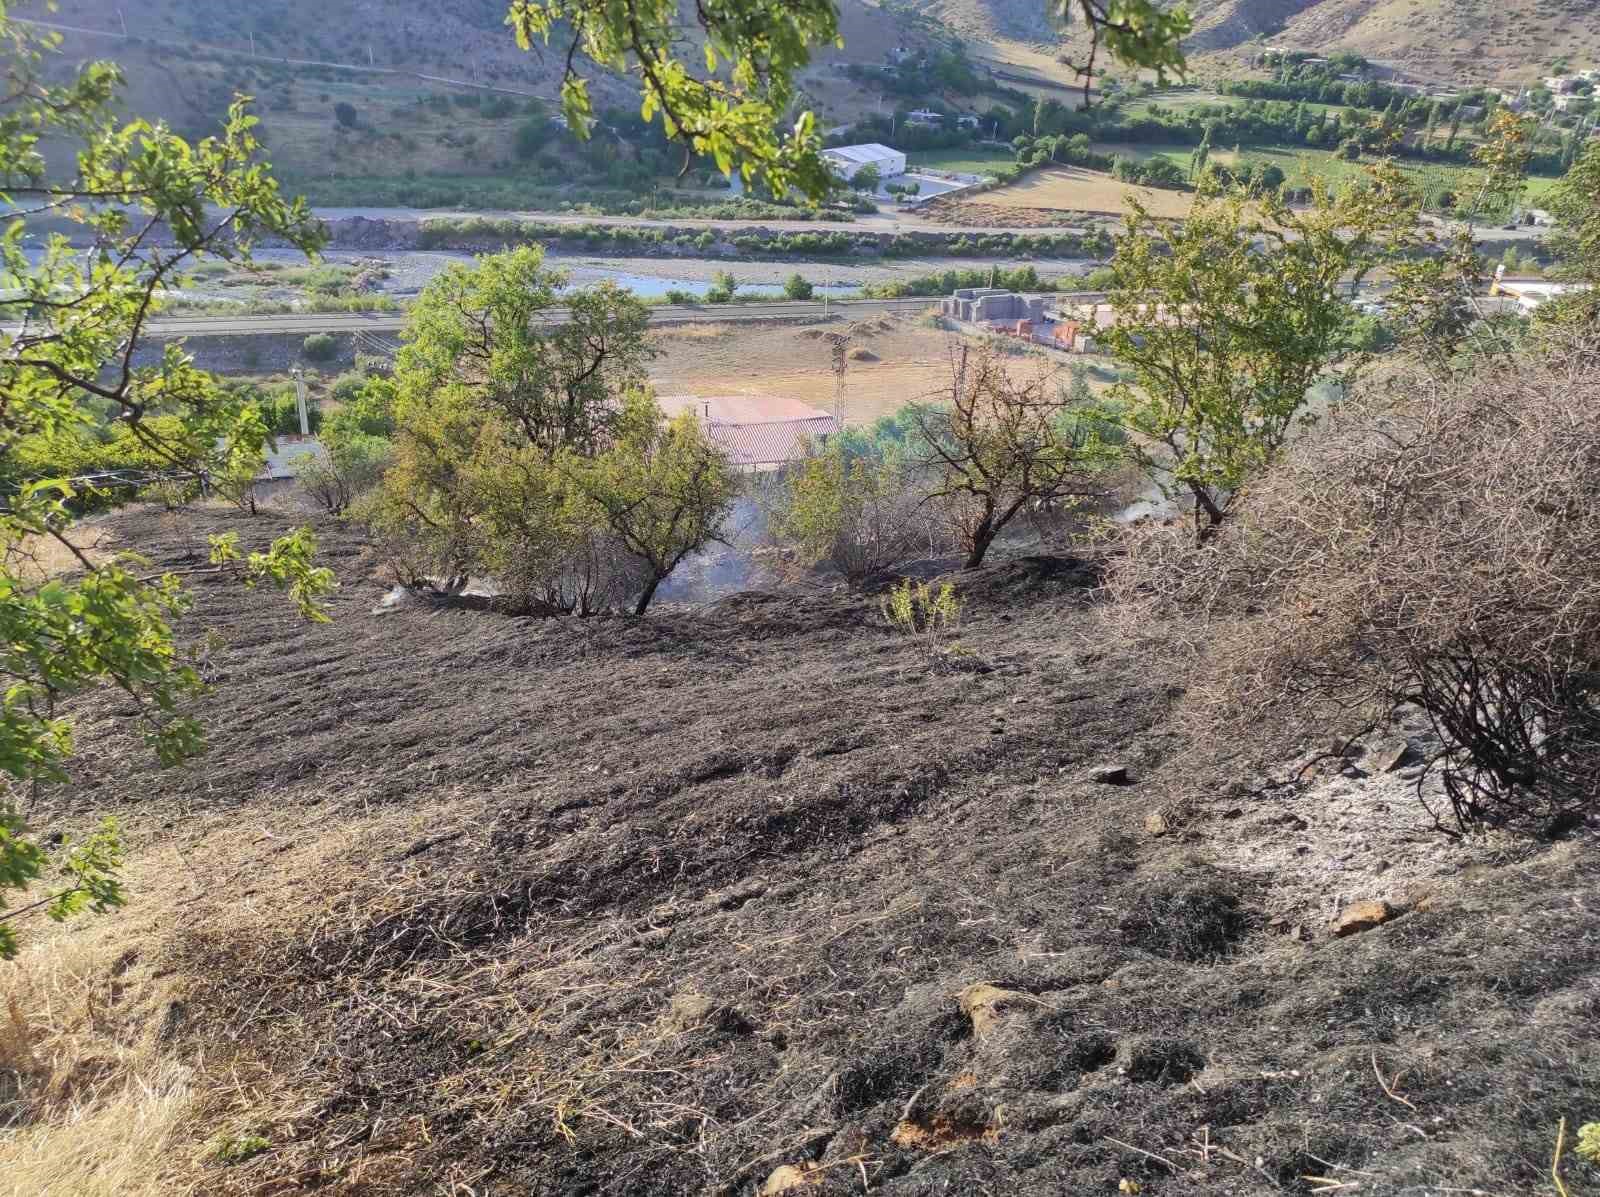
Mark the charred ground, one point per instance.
(751, 895)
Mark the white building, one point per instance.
(925, 116)
(846, 160)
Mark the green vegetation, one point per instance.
(1270, 321)
(320, 347)
(536, 455)
(928, 613)
(108, 623)
(479, 232)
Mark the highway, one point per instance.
(295, 324)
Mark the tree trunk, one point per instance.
(982, 538)
(649, 593)
(1206, 506)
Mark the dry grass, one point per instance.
(91, 1102)
(40, 558)
(909, 361)
(1073, 189)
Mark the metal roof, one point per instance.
(756, 430)
(861, 155)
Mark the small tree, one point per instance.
(348, 467)
(722, 288)
(345, 114)
(661, 488)
(1228, 320)
(866, 179)
(796, 287)
(859, 513)
(997, 447)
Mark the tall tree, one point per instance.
(71, 326)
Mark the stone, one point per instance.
(791, 1178)
(1111, 775)
(1388, 755)
(1155, 823)
(984, 1004)
(689, 1011)
(1362, 916)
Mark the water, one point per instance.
(650, 286)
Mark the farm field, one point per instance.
(972, 161)
(1300, 163)
(894, 361)
(1073, 189)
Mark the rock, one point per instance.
(1388, 755)
(689, 1011)
(1363, 916)
(984, 1004)
(1155, 823)
(1111, 775)
(791, 1178)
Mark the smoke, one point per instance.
(726, 567)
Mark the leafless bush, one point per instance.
(1000, 442)
(1438, 544)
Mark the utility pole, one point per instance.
(252, 43)
(121, 16)
(300, 402)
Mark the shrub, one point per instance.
(345, 114)
(1441, 550)
(348, 468)
(723, 286)
(796, 287)
(320, 347)
(928, 614)
(857, 513)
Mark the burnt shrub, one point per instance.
(1437, 544)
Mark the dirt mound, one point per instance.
(758, 894)
(858, 354)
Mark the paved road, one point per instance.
(392, 322)
(882, 222)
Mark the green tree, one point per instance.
(345, 114)
(71, 323)
(1228, 320)
(796, 287)
(661, 488)
(866, 179)
(1575, 204)
(733, 107)
(516, 445)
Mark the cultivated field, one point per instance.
(1073, 189)
(899, 360)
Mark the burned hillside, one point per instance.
(751, 897)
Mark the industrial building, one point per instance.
(977, 305)
(846, 160)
